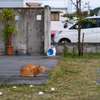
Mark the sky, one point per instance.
(63, 3)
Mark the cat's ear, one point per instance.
(39, 65)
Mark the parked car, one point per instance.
(70, 34)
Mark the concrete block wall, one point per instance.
(2, 43)
(30, 25)
(87, 48)
(30, 30)
(47, 28)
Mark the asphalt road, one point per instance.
(10, 68)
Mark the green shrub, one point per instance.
(66, 53)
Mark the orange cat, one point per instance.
(30, 70)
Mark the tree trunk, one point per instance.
(10, 39)
(78, 6)
(9, 34)
(8, 22)
(79, 43)
(82, 43)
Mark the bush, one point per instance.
(69, 54)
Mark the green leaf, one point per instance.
(8, 17)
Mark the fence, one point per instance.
(87, 47)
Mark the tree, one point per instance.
(94, 11)
(8, 17)
(80, 17)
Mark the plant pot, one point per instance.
(9, 50)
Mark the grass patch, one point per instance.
(72, 79)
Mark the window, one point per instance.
(85, 25)
(98, 22)
(16, 17)
(38, 17)
(88, 25)
(74, 26)
(54, 16)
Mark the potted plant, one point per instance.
(9, 29)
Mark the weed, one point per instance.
(66, 52)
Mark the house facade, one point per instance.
(12, 3)
(33, 26)
(57, 22)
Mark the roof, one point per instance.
(59, 8)
(33, 4)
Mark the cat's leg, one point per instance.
(27, 73)
(36, 74)
(30, 74)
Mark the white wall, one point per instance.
(12, 3)
(69, 5)
(58, 25)
(24, 3)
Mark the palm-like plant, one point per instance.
(8, 17)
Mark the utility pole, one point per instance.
(88, 8)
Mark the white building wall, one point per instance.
(99, 13)
(55, 25)
(69, 5)
(58, 25)
(12, 3)
(24, 3)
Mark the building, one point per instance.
(32, 4)
(18, 3)
(98, 14)
(33, 26)
(12, 3)
(57, 22)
